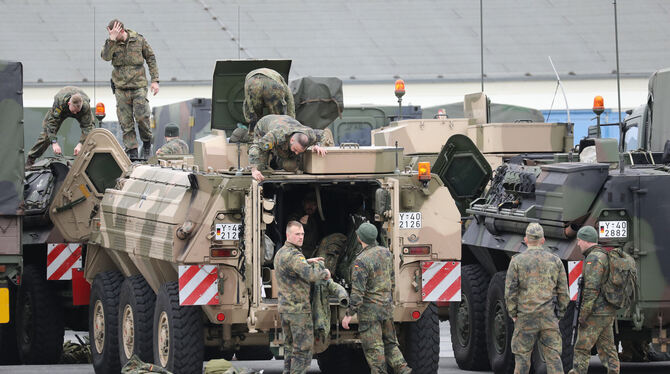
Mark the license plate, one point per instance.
(613, 229)
(227, 231)
(410, 220)
(4, 305)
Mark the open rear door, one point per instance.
(463, 169)
(101, 162)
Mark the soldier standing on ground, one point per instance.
(294, 276)
(372, 299)
(597, 314)
(534, 278)
(173, 145)
(68, 102)
(285, 137)
(128, 51)
(265, 88)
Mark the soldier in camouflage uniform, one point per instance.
(597, 315)
(534, 278)
(265, 88)
(372, 299)
(311, 222)
(294, 276)
(68, 102)
(128, 50)
(173, 145)
(286, 138)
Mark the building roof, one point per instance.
(357, 41)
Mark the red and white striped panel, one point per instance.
(574, 273)
(61, 259)
(440, 281)
(198, 285)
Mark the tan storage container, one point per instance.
(357, 160)
(518, 137)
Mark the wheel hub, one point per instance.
(463, 322)
(500, 328)
(128, 331)
(163, 339)
(99, 326)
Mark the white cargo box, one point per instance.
(353, 160)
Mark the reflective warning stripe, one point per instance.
(198, 285)
(440, 281)
(574, 273)
(61, 259)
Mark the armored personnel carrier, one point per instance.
(180, 259)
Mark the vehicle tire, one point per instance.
(539, 365)
(135, 319)
(420, 342)
(103, 321)
(254, 353)
(467, 320)
(177, 333)
(9, 351)
(339, 359)
(39, 319)
(499, 327)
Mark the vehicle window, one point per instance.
(103, 171)
(631, 142)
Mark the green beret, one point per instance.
(367, 232)
(588, 234)
(171, 130)
(534, 231)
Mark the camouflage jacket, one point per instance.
(136, 366)
(322, 293)
(273, 133)
(596, 265)
(128, 60)
(372, 285)
(61, 110)
(534, 277)
(272, 74)
(294, 276)
(173, 147)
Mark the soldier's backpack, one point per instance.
(621, 283)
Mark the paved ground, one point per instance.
(447, 363)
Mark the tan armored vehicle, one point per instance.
(180, 259)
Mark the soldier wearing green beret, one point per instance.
(128, 50)
(266, 89)
(173, 145)
(534, 278)
(372, 299)
(69, 102)
(597, 314)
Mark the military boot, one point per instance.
(132, 153)
(146, 150)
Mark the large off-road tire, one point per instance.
(420, 342)
(177, 333)
(135, 319)
(9, 352)
(567, 353)
(467, 320)
(39, 319)
(254, 353)
(103, 321)
(499, 327)
(342, 359)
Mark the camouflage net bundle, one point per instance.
(76, 353)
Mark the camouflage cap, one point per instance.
(534, 231)
(588, 234)
(171, 130)
(367, 232)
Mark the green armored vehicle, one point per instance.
(180, 258)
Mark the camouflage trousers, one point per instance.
(548, 337)
(380, 346)
(596, 330)
(261, 92)
(43, 142)
(131, 106)
(298, 330)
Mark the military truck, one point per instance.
(180, 258)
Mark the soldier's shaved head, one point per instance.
(115, 21)
(301, 139)
(292, 224)
(295, 234)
